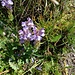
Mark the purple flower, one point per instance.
(42, 32)
(38, 38)
(25, 29)
(25, 37)
(23, 24)
(39, 68)
(22, 41)
(39, 33)
(7, 3)
(10, 2)
(30, 31)
(29, 35)
(30, 22)
(21, 37)
(29, 19)
(35, 30)
(3, 3)
(33, 37)
(32, 60)
(20, 32)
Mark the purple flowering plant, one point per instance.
(30, 32)
(7, 3)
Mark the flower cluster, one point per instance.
(30, 32)
(7, 3)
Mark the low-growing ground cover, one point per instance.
(37, 37)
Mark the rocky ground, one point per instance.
(68, 64)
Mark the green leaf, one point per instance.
(13, 65)
(1, 31)
(2, 42)
(47, 66)
(57, 72)
(55, 38)
(1, 23)
(10, 16)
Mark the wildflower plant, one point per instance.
(7, 3)
(30, 32)
(34, 36)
